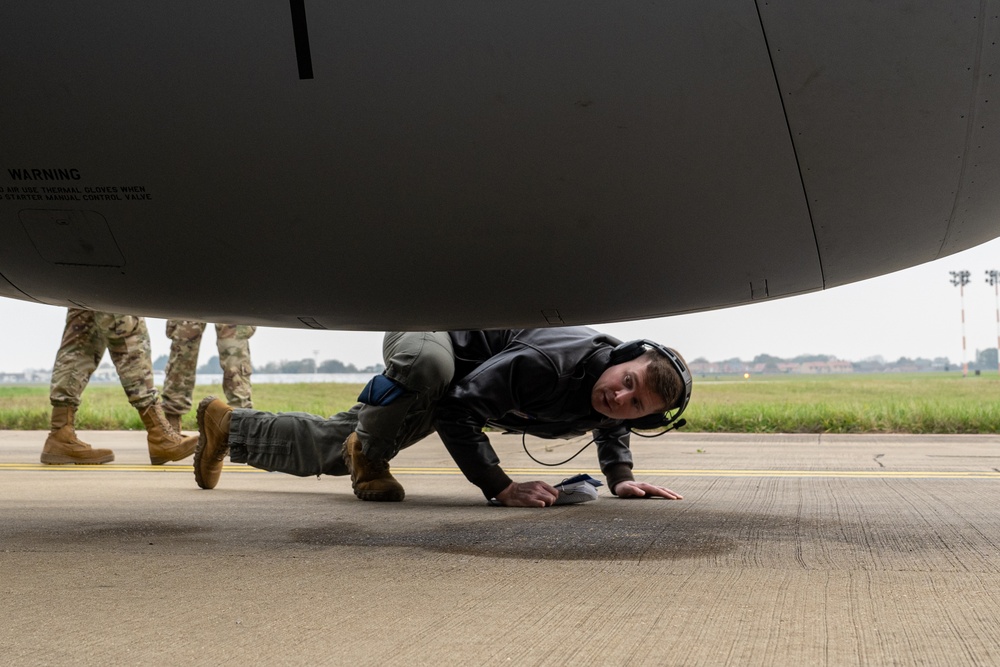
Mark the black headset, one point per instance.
(669, 420)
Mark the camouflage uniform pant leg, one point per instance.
(179, 378)
(233, 341)
(131, 353)
(79, 354)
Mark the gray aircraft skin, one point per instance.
(475, 164)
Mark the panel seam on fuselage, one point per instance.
(27, 297)
(970, 116)
(791, 139)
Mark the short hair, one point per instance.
(664, 379)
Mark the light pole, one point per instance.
(961, 279)
(993, 278)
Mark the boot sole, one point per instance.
(160, 460)
(62, 459)
(380, 496)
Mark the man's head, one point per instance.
(646, 385)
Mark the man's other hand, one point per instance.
(644, 490)
(528, 494)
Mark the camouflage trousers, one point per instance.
(85, 338)
(233, 343)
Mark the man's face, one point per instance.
(623, 393)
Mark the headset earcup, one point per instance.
(627, 352)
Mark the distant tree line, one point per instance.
(297, 366)
(283, 366)
(985, 360)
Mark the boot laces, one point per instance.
(168, 430)
(162, 419)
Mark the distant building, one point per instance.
(825, 367)
(30, 376)
(903, 368)
(731, 367)
(736, 367)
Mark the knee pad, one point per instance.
(379, 391)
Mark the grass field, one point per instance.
(884, 403)
(105, 407)
(897, 403)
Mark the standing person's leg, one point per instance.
(179, 377)
(128, 344)
(79, 354)
(398, 409)
(131, 353)
(233, 341)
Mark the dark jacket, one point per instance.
(533, 380)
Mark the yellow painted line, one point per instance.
(899, 474)
(561, 472)
(104, 467)
(878, 474)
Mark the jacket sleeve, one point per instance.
(614, 454)
(509, 381)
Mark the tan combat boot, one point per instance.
(213, 441)
(371, 479)
(165, 444)
(174, 421)
(62, 445)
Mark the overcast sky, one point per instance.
(911, 313)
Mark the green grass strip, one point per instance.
(884, 403)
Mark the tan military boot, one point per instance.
(371, 479)
(165, 444)
(213, 441)
(62, 445)
(174, 421)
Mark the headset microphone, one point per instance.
(674, 425)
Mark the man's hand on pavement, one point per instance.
(528, 494)
(631, 489)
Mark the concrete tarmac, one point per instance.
(786, 550)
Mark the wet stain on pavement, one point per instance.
(136, 530)
(118, 532)
(613, 539)
(530, 537)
